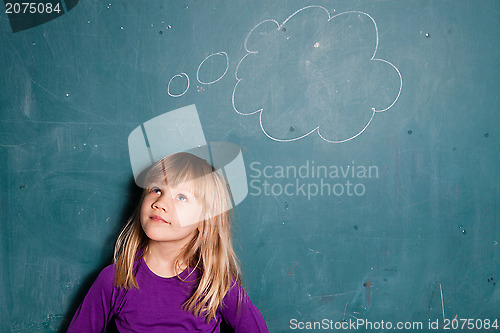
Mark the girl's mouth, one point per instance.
(159, 219)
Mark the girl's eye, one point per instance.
(155, 190)
(181, 197)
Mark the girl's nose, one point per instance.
(161, 204)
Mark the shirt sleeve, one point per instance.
(97, 308)
(240, 313)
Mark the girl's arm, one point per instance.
(242, 315)
(97, 308)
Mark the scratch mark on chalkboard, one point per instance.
(313, 251)
(354, 315)
(413, 204)
(289, 272)
(344, 293)
(345, 309)
(46, 90)
(71, 105)
(429, 307)
(442, 301)
(368, 285)
(12, 146)
(50, 321)
(319, 95)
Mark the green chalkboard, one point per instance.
(368, 131)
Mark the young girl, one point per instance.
(174, 268)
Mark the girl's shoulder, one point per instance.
(107, 274)
(106, 277)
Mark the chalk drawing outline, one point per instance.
(201, 64)
(317, 128)
(173, 77)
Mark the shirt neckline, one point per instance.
(187, 275)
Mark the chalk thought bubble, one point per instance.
(315, 73)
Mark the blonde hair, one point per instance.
(210, 250)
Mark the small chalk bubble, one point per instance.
(67, 95)
(286, 205)
(283, 29)
(88, 21)
(316, 45)
(121, 28)
(308, 62)
(486, 135)
(169, 27)
(288, 37)
(34, 43)
(428, 35)
(410, 132)
(160, 32)
(292, 129)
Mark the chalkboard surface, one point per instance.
(368, 131)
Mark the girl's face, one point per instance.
(170, 214)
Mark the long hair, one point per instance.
(210, 250)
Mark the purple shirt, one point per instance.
(157, 306)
